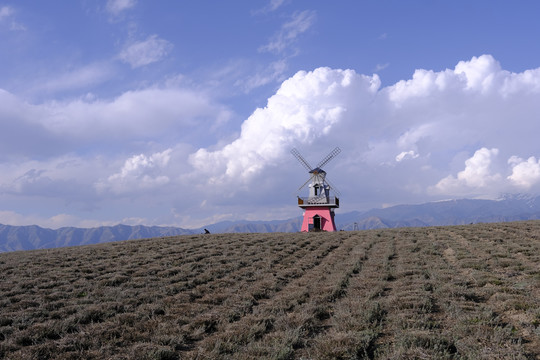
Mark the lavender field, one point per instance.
(456, 292)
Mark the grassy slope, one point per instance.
(441, 292)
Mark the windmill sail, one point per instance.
(301, 159)
(329, 157)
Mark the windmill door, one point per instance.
(316, 222)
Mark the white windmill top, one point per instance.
(319, 187)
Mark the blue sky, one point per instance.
(184, 113)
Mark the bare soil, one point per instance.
(460, 292)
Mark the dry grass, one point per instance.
(463, 292)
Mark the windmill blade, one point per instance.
(329, 157)
(335, 189)
(304, 184)
(302, 161)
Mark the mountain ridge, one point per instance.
(449, 212)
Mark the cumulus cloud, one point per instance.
(139, 172)
(434, 118)
(478, 173)
(525, 173)
(478, 76)
(145, 52)
(304, 109)
(289, 32)
(480, 73)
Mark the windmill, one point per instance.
(319, 205)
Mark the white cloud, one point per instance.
(268, 74)
(79, 78)
(289, 32)
(411, 154)
(115, 7)
(59, 150)
(139, 172)
(422, 84)
(433, 118)
(145, 52)
(272, 5)
(480, 72)
(442, 133)
(479, 75)
(53, 222)
(477, 174)
(412, 136)
(306, 108)
(65, 178)
(525, 173)
(380, 67)
(145, 113)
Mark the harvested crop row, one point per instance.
(280, 323)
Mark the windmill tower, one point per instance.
(319, 205)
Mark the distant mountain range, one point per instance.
(451, 212)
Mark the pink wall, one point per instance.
(327, 221)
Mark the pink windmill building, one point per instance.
(319, 205)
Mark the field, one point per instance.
(460, 292)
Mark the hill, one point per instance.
(452, 292)
(452, 212)
(34, 237)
